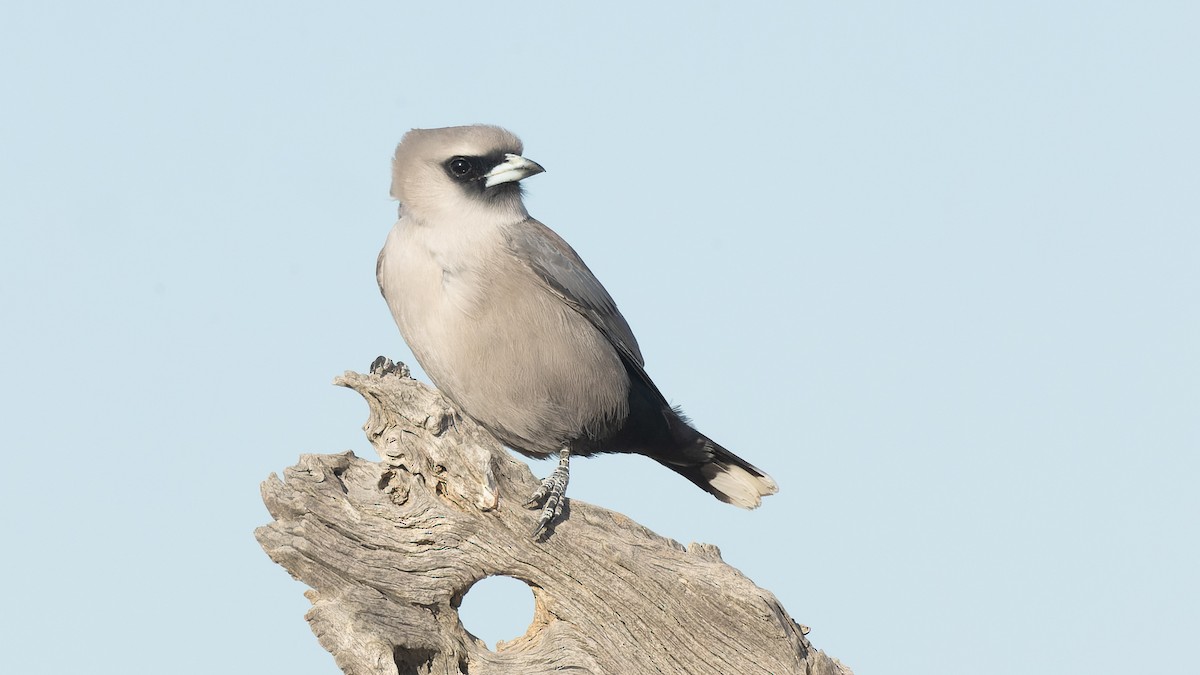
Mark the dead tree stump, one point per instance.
(389, 549)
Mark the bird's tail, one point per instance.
(718, 471)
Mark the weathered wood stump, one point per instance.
(389, 549)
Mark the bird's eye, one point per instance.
(460, 166)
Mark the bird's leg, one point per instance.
(553, 491)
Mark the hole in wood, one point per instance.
(497, 609)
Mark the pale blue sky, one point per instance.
(933, 265)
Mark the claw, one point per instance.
(553, 492)
(384, 366)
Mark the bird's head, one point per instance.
(456, 172)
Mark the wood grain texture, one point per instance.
(389, 549)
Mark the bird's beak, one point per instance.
(513, 168)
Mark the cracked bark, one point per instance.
(389, 549)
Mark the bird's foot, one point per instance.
(552, 491)
(384, 366)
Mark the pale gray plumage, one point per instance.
(512, 326)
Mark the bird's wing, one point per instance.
(564, 273)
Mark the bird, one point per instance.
(515, 330)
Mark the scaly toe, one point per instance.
(553, 492)
(539, 495)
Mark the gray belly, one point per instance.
(526, 366)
